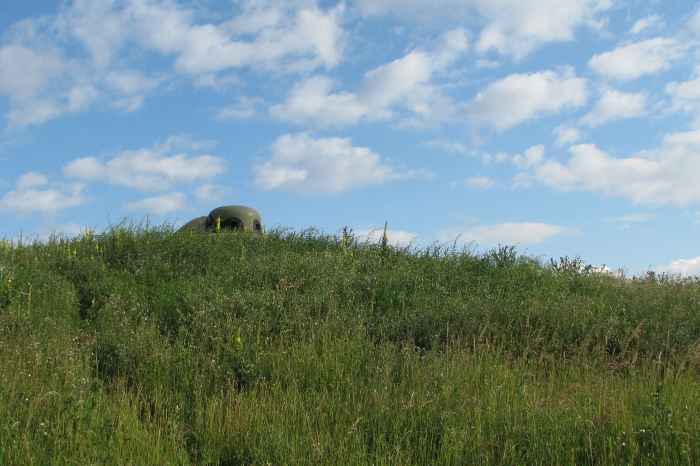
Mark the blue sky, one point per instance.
(565, 127)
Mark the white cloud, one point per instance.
(32, 195)
(131, 83)
(480, 182)
(686, 90)
(637, 59)
(38, 75)
(147, 169)
(160, 205)
(615, 105)
(521, 97)
(211, 192)
(33, 77)
(129, 104)
(499, 158)
(454, 43)
(525, 233)
(31, 180)
(313, 101)
(299, 38)
(484, 63)
(246, 107)
(268, 34)
(633, 218)
(184, 143)
(694, 22)
(512, 27)
(684, 267)
(33, 112)
(101, 28)
(46, 76)
(332, 165)
(396, 238)
(667, 175)
(390, 82)
(405, 83)
(649, 22)
(566, 135)
(24, 72)
(450, 147)
(42, 109)
(685, 95)
(626, 222)
(531, 157)
(517, 28)
(218, 81)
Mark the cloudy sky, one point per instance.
(565, 127)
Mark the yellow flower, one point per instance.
(237, 340)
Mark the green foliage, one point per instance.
(147, 346)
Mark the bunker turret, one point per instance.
(232, 217)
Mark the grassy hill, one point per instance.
(149, 347)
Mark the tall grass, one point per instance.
(145, 346)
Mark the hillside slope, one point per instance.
(151, 347)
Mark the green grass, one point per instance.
(142, 346)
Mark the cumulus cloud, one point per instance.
(45, 82)
(633, 218)
(615, 105)
(211, 192)
(332, 165)
(100, 28)
(269, 34)
(684, 267)
(33, 194)
(637, 59)
(314, 101)
(685, 95)
(511, 27)
(34, 111)
(32, 180)
(519, 97)
(625, 222)
(153, 169)
(244, 108)
(25, 72)
(450, 147)
(525, 233)
(131, 87)
(694, 22)
(41, 75)
(480, 182)
(32, 77)
(649, 22)
(531, 157)
(295, 37)
(159, 205)
(566, 135)
(666, 175)
(404, 84)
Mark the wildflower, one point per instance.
(238, 341)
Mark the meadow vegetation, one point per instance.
(148, 347)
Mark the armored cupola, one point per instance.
(232, 217)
